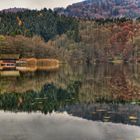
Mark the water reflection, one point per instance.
(117, 113)
(107, 93)
(22, 126)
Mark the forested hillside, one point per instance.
(44, 34)
(102, 9)
(44, 23)
(102, 41)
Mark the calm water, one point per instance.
(98, 102)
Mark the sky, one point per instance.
(35, 4)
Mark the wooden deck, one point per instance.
(8, 65)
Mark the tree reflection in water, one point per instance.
(97, 92)
(49, 99)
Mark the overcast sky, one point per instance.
(35, 4)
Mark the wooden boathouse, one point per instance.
(8, 60)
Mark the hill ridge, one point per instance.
(102, 9)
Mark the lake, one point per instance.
(86, 102)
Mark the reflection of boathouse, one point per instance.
(8, 60)
(10, 73)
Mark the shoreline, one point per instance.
(31, 64)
